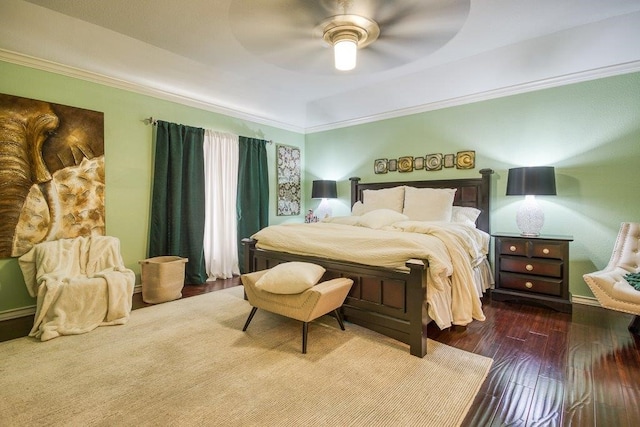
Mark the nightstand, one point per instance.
(533, 269)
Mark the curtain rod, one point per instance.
(152, 121)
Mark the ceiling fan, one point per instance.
(298, 34)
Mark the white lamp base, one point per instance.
(530, 217)
(324, 210)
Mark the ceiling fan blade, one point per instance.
(289, 37)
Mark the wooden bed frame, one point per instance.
(383, 300)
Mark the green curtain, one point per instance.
(177, 208)
(253, 190)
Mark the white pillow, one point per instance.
(381, 218)
(465, 215)
(357, 209)
(386, 198)
(344, 220)
(290, 277)
(428, 204)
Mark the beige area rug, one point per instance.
(188, 363)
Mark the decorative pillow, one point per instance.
(357, 209)
(465, 215)
(381, 218)
(429, 204)
(386, 198)
(290, 277)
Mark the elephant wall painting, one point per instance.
(51, 173)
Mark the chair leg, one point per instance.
(339, 317)
(305, 330)
(634, 326)
(246, 324)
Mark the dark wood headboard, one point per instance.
(472, 192)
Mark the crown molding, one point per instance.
(68, 71)
(53, 67)
(594, 74)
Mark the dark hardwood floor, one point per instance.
(550, 368)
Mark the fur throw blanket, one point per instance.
(79, 283)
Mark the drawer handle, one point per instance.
(529, 285)
(512, 248)
(546, 251)
(529, 267)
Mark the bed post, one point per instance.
(416, 295)
(354, 192)
(249, 246)
(484, 198)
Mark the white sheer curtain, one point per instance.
(221, 186)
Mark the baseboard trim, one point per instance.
(585, 301)
(31, 310)
(17, 313)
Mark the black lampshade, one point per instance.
(324, 189)
(531, 181)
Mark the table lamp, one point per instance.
(324, 189)
(531, 182)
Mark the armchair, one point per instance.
(609, 285)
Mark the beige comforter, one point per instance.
(80, 284)
(451, 249)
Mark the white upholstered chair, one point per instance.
(609, 285)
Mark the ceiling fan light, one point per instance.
(345, 53)
(345, 50)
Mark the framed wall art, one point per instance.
(288, 166)
(405, 164)
(59, 191)
(466, 159)
(434, 162)
(418, 163)
(449, 160)
(380, 166)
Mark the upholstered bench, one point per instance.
(291, 289)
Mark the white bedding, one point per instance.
(455, 253)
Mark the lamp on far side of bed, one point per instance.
(324, 189)
(531, 182)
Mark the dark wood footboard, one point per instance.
(386, 301)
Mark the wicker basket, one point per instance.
(162, 278)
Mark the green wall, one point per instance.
(589, 131)
(128, 156)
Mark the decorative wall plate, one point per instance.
(434, 162)
(449, 160)
(418, 162)
(405, 164)
(380, 166)
(466, 159)
(393, 165)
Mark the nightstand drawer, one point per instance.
(547, 250)
(513, 247)
(539, 267)
(529, 284)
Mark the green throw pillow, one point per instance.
(634, 280)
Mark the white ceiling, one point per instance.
(262, 60)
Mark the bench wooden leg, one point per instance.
(246, 324)
(305, 330)
(337, 313)
(634, 326)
